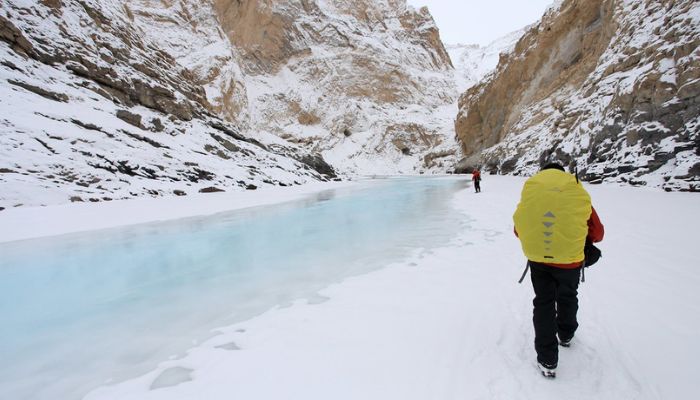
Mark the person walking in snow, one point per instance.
(554, 222)
(476, 178)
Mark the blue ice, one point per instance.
(84, 309)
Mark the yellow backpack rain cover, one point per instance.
(552, 218)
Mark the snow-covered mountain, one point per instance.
(473, 62)
(114, 99)
(366, 84)
(612, 86)
(93, 109)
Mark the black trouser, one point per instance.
(555, 307)
(477, 186)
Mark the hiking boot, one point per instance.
(565, 342)
(548, 371)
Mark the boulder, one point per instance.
(210, 189)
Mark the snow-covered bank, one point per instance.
(452, 323)
(33, 222)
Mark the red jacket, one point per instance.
(596, 231)
(476, 175)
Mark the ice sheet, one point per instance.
(83, 309)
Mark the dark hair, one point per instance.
(553, 165)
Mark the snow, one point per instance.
(452, 323)
(42, 136)
(65, 149)
(554, 7)
(473, 62)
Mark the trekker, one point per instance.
(476, 178)
(554, 220)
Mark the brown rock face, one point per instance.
(411, 137)
(14, 37)
(189, 31)
(561, 51)
(342, 67)
(309, 70)
(264, 33)
(431, 35)
(110, 48)
(608, 85)
(269, 33)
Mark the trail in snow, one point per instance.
(452, 323)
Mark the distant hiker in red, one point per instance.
(476, 178)
(557, 226)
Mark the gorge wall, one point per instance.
(114, 99)
(368, 84)
(609, 86)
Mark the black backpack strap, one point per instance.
(527, 266)
(583, 271)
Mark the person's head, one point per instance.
(554, 165)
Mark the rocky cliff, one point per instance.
(609, 86)
(114, 99)
(366, 84)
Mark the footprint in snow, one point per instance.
(172, 377)
(228, 346)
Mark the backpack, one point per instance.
(552, 218)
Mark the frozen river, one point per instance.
(85, 309)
